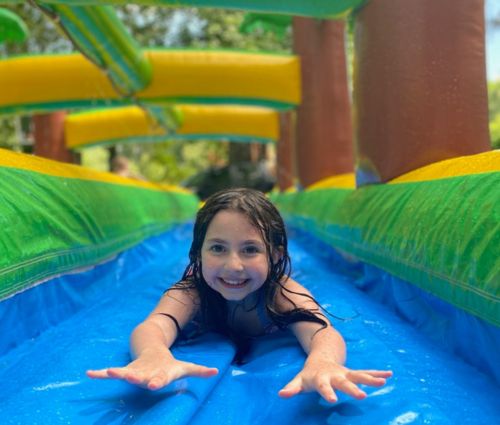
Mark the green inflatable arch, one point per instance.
(313, 8)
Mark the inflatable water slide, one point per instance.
(410, 268)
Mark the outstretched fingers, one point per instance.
(98, 374)
(124, 373)
(325, 390)
(291, 389)
(154, 378)
(327, 384)
(108, 373)
(184, 370)
(135, 377)
(321, 384)
(158, 381)
(200, 371)
(373, 378)
(347, 386)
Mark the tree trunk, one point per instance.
(48, 132)
(285, 167)
(420, 89)
(324, 128)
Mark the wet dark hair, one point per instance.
(262, 214)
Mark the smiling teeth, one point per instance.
(234, 282)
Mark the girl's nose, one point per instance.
(234, 262)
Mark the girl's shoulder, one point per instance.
(184, 291)
(187, 284)
(292, 295)
(178, 304)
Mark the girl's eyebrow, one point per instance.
(246, 242)
(216, 240)
(252, 242)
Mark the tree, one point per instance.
(494, 113)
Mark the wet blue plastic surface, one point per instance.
(83, 321)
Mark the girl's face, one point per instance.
(233, 256)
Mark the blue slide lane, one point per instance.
(52, 333)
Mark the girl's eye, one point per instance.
(250, 250)
(217, 248)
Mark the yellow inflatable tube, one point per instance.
(339, 181)
(133, 123)
(48, 82)
(486, 162)
(10, 159)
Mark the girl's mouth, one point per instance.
(228, 283)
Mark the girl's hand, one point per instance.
(153, 371)
(326, 376)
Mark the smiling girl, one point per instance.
(237, 283)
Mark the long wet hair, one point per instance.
(264, 216)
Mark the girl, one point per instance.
(237, 283)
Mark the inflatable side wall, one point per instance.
(436, 229)
(57, 218)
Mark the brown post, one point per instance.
(420, 91)
(48, 133)
(324, 130)
(285, 158)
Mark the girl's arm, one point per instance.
(153, 365)
(324, 369)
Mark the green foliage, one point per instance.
(263, 22)
(8, 138)
(152, 26)
(495, 132)
(14, 132)
(96, 158)
(494, 113)
(198, 28)
(494, 98)
(221, 29)
(174, 161)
